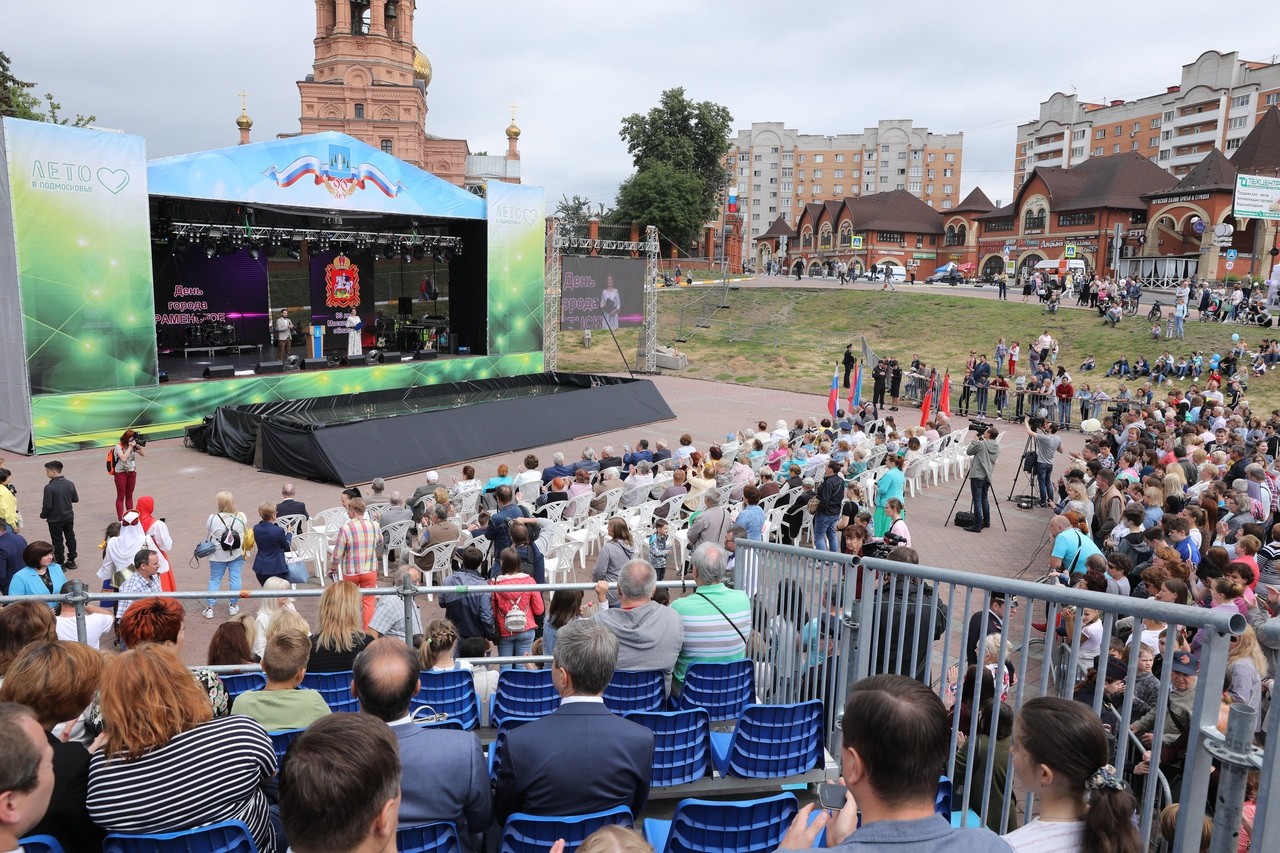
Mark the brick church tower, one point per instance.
(370, 81)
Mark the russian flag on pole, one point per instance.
(855, 391)
(944, 401)
(835, 391)
(927, 404)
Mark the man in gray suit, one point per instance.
(444, 773)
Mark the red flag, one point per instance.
(927, 404)
(835, 391)
(944, 401)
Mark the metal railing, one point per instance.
(913, 620)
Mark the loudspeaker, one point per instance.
(315, 363)
(269, 367)
(392, 357)
(406, 305)
(219, 371)
(425, 355)
(963, 519)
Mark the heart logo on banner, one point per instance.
(113, 179)
(530, 215)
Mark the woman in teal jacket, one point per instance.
(888, 486)
(41, 576)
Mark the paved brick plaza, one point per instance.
(184, 482)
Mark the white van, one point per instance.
(1074, 265)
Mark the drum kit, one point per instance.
(211, 332)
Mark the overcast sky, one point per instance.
(171, 71)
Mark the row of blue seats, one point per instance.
(698, 826)
(768, 742)
(723, 690)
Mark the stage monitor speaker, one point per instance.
(315, 364)
(219, 371)
(406, 305)
(425, 355)
(269, 367)
(392, 357)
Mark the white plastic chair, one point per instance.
(914, 475)
(395, 538)
(293, 523)
(327, 521)
(773, 524)
(312, 548)
(529, 491)
(441, 553)
(468, 504)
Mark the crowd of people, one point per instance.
(1173, 499)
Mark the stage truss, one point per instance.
(647, 346)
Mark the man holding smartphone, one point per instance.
(895, 739)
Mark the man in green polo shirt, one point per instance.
(716, 619)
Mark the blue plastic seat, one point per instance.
(335, 687)
(636, 691)
(438, 837)
(40, 844)
(723, 689)
(525, 693)
(242, 683)
(709, 826)
(452, 693)
(526, 833)
(771, 741)
(500, 742)
(230, 836)
(942, 800)
(681, 744)
(280, 741)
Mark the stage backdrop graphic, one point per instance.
(588, 302)
(517, 248)
(192, 287)
(82, 234)
(341, 283)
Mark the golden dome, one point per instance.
(244, 122)
(513, 132)
(421, 67)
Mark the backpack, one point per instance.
(515, 620)
(111, 462)
(229, 540)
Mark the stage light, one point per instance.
(437, 256)
(406, 256)
(293, 362)
(253, 251)
(373, 356)
(210, 249)
(181, 244)
(226, 247)
(295, 251)
(419, 252)
(269, 249)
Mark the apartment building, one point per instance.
(1218, 100)
(778, 170)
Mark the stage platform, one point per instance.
(187, 364)
(352, 438)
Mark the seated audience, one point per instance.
(283, 704)
(340, 636)
(26, 774)
(707, 611)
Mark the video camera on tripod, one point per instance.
(980, 426)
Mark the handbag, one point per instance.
(205, 547)
(248, 542)
(298, 572)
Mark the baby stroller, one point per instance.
(1212, 313)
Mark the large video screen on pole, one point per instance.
(601, 293)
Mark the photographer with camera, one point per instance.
(1047, 443)
(123, 466)
(984, 450)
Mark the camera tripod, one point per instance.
(1031, 482)
(992, 498)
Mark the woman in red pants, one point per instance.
(125, 469)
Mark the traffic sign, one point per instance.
(1230, 265)
(1071, 250)
(857, 241)
(1231, 254)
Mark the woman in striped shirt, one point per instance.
(168, 764)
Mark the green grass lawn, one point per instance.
(791, 338)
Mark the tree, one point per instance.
(690, 137)
(573, 214)
(662, 195)
(16, 100)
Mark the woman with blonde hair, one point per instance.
(228, 529)
(1246, 666)
(340, 635)
(287, 619)
(168, 764)
(616, 553)
(267, 609)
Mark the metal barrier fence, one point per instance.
(914, 620)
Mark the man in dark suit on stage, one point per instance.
(582, 757)
(445, 776)
(289, 505)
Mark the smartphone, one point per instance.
(831, 795)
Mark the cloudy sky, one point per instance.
(171, 71)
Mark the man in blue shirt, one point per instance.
(1071, 548)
